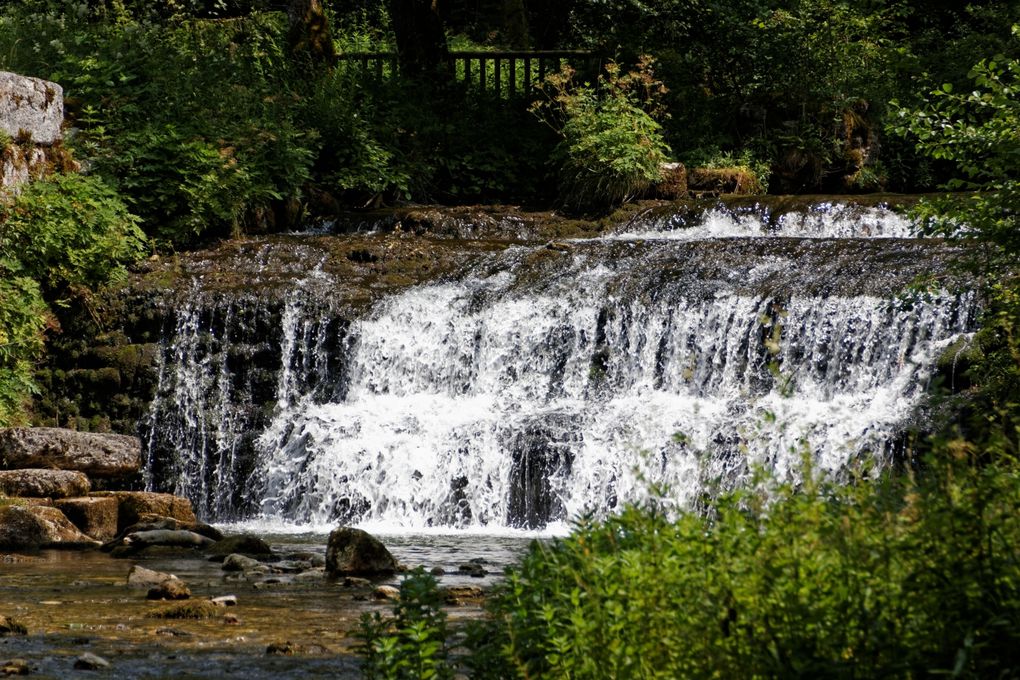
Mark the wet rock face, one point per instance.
(38, 526)
(353, 552)
(542, 455)
(97, 455)
(96, 517)
(30, 107)
(43, 483)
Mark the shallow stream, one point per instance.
(73, 602)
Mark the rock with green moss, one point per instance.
(189, 609)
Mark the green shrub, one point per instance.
(61, 238)
(23, 319)
(69, 232)
(413, 644)
(893, 578)
(611, 148)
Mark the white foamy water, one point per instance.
(823, 220)
(450, 402)
(559, 386)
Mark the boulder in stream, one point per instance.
(31, 527)
(43, 483)
(353, 552)
(140, 577)
(100, 456)
(244, 544)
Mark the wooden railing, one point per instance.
(502, 74)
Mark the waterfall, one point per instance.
(546, 382)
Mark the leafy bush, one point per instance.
(61, 238)
(69, 232)
(896, 578)
(23, 319)
(413, 644)
(976, 132)
(612, 148)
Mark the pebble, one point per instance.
(225, 600)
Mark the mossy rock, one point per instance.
(736, 180)
(188, 609)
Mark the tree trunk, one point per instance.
(421, 39)
(309, 35)
(515, 24)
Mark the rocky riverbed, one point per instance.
(131, 584)
(285, 621)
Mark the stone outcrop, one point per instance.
(96, 517)
(241, 543)
(43, 483)
(31, 108)
(38, 526)
(353, 552)
(31, 116)
(97, 455)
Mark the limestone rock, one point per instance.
(43, 483)
(90, 662)
(96, 517)
(244, 544)
(38, 526)
(31, 107)
(238, 562)
(386, 593)
(132, 505)
(97, 455)
(140, 577)
(353, 552)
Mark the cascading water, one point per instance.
(546, 382)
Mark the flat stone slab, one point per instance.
(133, 505)
(97, 455)
(43, 483)
(38, 526)
(31, 106)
